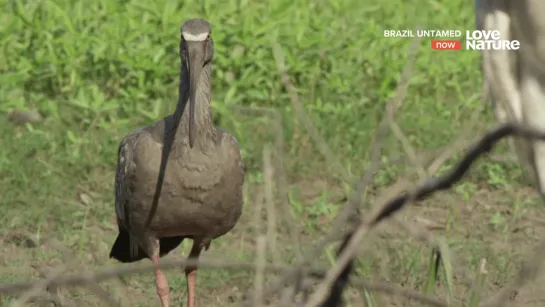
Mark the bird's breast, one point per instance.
(201, 193)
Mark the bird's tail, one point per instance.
(121, 250)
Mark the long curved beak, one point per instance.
(196, 62)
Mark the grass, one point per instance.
(98, 70)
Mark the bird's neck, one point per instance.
(204, 127)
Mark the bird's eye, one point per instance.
(208, 37)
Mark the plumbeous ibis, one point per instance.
(201, 196)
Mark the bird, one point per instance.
(200, 178)
(515, 79)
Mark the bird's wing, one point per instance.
(234, 148)
(124, 177)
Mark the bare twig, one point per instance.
(282, 186)
(260, 270)
(422, 191)
(301, 114)
(57, 298)
(282, 189)
(83, 278)
(56, 273)
(355, 199)
(375, 156)
(460, 142)
(406, 145)
(399, 291)
(269, 202)
(258, 208)
(390, 116)
(38, 287)
(92, 286)
(327, 284)
(276, 117)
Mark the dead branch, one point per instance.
(260, 270)
(301, 114)
(354, 201)
(375, 156)
(399, 291)
(38, 287)
(269, 202)
(83, 278)
(461, 141)
(280, 176)
(46, 283)
(332, 294)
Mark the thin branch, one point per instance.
(325, 150)
(460, 142)
(276, 117)
(56, 273)
(406, 145)
(399, 291)
(83, 278)
(401, 91)
(269, 202)
(348, 248)
(38, 287)
(354, 200)
(260, 270)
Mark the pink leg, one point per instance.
(161, 283)
(191, 274)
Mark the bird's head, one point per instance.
(196, 51)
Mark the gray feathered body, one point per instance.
(201, 196)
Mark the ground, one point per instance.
(97, 71)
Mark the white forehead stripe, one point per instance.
(195, 37)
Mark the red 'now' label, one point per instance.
(446, 44)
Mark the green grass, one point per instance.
(97, 70)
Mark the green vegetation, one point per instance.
(97, 70)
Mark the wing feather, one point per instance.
(124, 183)
(123, 176)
